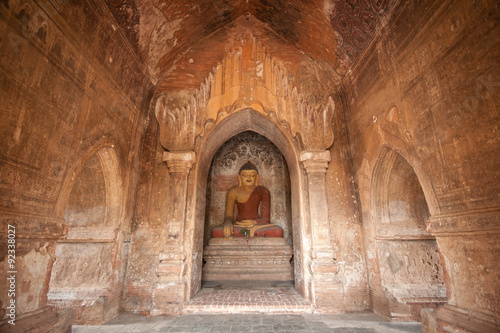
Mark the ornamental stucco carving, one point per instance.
(247, 77)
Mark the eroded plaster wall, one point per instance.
(70, 87)
(427, 89)
(345, 222)
(149, 226)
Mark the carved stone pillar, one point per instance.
(171, 290)
(324, 285)
(316, 163)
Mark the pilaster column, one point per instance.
(316, 163)
(179, 165)
(171, 289)
(322, 264)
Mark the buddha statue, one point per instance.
(248, 197)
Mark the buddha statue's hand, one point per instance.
(246, 223)
(228, 229)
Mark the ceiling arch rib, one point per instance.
(169, 29)
(163, 31)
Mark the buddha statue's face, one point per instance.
(248, 177)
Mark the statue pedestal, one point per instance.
(241, 258)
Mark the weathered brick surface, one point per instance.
(68, 94)
(248, 297)
(419, 92)
(385, 113)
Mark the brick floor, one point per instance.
(247, 297)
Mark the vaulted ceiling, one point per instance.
(180, 41)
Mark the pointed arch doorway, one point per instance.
(249, 123)
(230, 127)
(181, 261)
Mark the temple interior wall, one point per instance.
(412, 188)
(419, 92)
(148, 227)
(70, 101)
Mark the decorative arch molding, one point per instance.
(406, 264)
(389, 140)
(251, 120)
(112, 172)
(382, 182)
(389, 151)
(92, 254)
(388, 135)
(247, 77)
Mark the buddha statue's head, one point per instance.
(248, 175)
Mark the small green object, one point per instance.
(245, 232)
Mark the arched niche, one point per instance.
(86, 206)
(273, 172)
(88, 261)
(232, 125)
(411, 273)
(398, 198)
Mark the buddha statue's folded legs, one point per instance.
(267, 231)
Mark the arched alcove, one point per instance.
(400, 200)
(411, 273)
(88, 261)
(86, 205)
(273, 172)
(238, 122)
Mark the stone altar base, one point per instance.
(241, 258)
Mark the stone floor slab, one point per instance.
(270, 307)
(265, 323)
